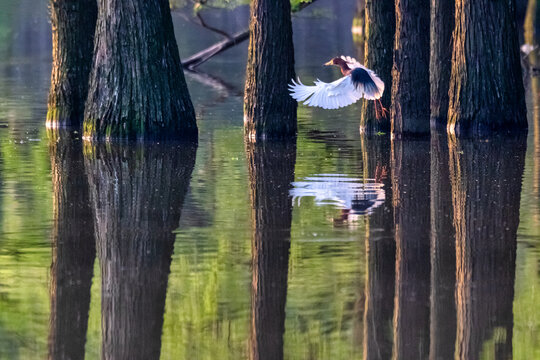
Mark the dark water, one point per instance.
(331, 247)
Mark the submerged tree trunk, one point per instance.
(486, 187)
(73, 26)
(380, 24)
(73, 251)
(381, 255)
(137, 195)
(443, 255)
(410, 186)
(137, 86)
(440, 65)
(410, 73)
(486, 88)
(271, 172)
(269, 110)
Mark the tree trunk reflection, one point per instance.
(73, 250)
(137, 194)
(486, 187)
(410, 186)
(381, 252)
(271, 172)
(443, 255)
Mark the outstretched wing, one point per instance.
(366, 81)
(351, 62)
(334, 95)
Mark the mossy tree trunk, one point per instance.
(73, 26)
(486, 189)
(137, 194)
(380, 25)
(381, 255)
(269, 110)
(137, 87)
(410, 186)
(271, 172)
(443, 254)
(440, 65)
(410, 72)
(73, 253)
(486, 87)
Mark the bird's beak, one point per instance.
(328, 63)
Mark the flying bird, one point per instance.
(357, 82)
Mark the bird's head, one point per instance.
(336, 61)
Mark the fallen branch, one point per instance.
(204, 55)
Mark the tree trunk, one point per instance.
(73, 251)
(73, 26)
(486, 88)
(443, 255)
(440, 65)
(381, 255)
(271, 172)
(137, 86)
(486, 187)
(410, 73)
(380, 27)
(410, 186)
(137, 195)
(269, 111)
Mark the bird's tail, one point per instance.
(299, 91)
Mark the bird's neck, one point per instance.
(345, 70)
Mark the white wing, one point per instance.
(332, 95)
(352, 62)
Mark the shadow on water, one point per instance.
(73, 249)
(271, 172)
(486, 185)
(136, 193)
(410, 167)
(380, 255)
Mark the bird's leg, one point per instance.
(382, 112)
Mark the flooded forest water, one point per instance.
(286, 251)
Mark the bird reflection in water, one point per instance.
(354, 196)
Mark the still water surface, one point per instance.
(330, 247)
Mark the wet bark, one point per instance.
(486, 88)
(73, 251)
(73, 26)
(440, 63)
(381, 253)
(380, 24)
(137, 195)
(410, 72)
(269, 111)
(443, 255)
(271, 172)
(137, 87)
(486, 187)
(410, 186)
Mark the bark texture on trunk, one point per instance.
(443, 254)
(486, 187)
(410, 72)
(73, 251)
(380, 25)
(440, 65)
(381, 253)
(137, 87)
(486, 86)
(73, 26)
(269, 110)
(137, 195)
(410, 186)
(271, 172)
